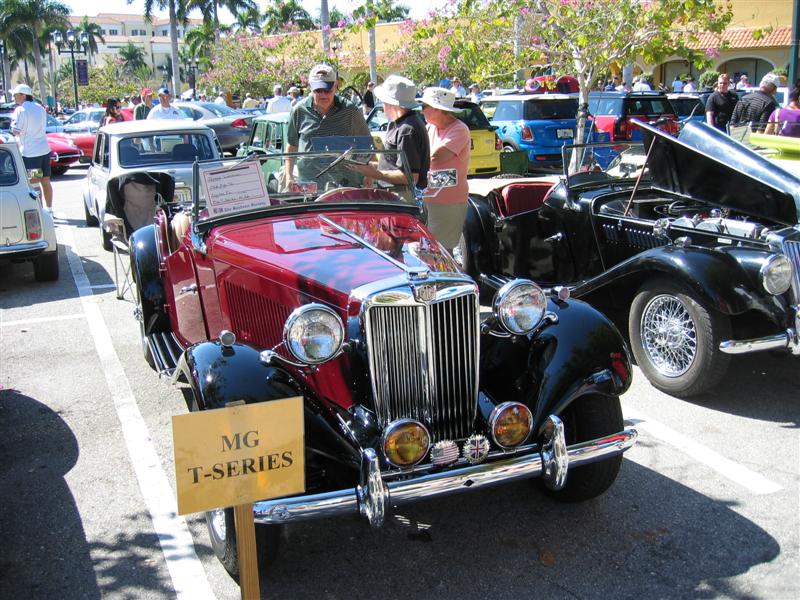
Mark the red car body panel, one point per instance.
(62, 153)
(84, 141)
(252, 268)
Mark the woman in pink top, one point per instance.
(446, 195)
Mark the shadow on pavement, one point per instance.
(44, 553)
(648, 537)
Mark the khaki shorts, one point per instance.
(446, 222)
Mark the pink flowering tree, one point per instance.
(582, 38)
(254, 64)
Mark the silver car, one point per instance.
(231, 126)
(87, 120)
(133, 146)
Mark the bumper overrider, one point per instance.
(373, 498)
(789, 339)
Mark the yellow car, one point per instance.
(485, 146)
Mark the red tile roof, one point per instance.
(742, 37)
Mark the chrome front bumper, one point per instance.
(789, 339)
(373, 498)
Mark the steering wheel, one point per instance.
(332, 194)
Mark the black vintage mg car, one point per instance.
(340, 294)
(693, 241)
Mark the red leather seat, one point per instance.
(517, 198)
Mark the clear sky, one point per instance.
(92, 7)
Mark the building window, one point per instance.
(113, 32)
(165, 32)
(104, 32)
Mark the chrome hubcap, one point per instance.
(669, 335)
(217, 521)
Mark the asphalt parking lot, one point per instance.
(706, 504)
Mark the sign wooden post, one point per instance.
(235, 456)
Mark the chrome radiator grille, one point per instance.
(424, 363)
(792, 250)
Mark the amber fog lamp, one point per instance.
(510, 424)
(405, 443)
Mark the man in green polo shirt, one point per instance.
(323, 113)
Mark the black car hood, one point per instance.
(704, 163)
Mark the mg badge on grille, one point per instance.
(444, 453)
(425, 292)
(476, 448)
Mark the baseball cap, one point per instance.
(321, 76)
(22, 89)
(772, 79)
(163, 91)
(146, 91)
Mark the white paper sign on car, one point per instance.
(239, 188)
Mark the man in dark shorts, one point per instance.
(406, 132)
(721, 104)
(28, 124)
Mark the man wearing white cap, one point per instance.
(756, 108)
(28, 124)
(278, 103)
(449, 141)
(164, 110)
(405, 132)
(323, 113)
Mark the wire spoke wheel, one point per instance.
(669, 335)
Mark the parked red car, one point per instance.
(614, 113)
(63, 152)
(84, 141)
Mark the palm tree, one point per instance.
(248, 21)
(34, 17)
(132, 57)
(284, 14)
(201, 40)
(209, 8)
(177, 13)
(94, 32)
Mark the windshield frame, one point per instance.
(582, 178)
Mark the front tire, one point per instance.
(91, 220)
(588, 418)
(222, 531)
(675, 339)
(45, 266)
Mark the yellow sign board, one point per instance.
(239, 454)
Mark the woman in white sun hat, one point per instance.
(449, 142)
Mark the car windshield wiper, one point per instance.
(335, 162)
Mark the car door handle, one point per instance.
(188, 289)
(555, 238)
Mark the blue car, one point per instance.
(539, 124)
(689, 107)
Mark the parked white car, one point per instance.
(153, 146)
(27, 232)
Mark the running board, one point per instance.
(166, 351)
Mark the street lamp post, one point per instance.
(163, 69)
(73, 40)
(3, 67)
(336, 45)
(193, 76)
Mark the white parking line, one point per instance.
(188, 577)
(752, 481)
(42, 320)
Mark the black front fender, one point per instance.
(145, 271)
(580, 353)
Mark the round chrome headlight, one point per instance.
(510, 424)
(405, 442)
(520, 306)
(776, 274)
(314, 334)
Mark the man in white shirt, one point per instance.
(28, 124)
(689, 86)
(640, 85)
(220, 99)
(249, 101)
(677, 85)
(278, 103)
(164, 110)
(457, 88)
(743, 83)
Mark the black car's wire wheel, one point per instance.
(675, 339)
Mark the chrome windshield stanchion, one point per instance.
(555, 459)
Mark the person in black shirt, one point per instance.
(756, 108)
(721, 104)
(406, 132)
(368, 101)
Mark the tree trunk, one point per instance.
(37, 59)
(173, 38)
(325, 23)
(6, 76)
(54, 83)
(373, 57)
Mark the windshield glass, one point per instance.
(685, 107)
(591, 163)
(551, 109)
(166, 148)
(242, 185)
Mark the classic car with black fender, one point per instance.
(335, 291)
(693, 242)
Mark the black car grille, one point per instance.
(792, 250)
(423, 361)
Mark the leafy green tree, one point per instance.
(94, 33)
(131, 58)
(201, 42)
(177, 14)
(248, 21)
(32, 18)
(286, 16)
(209, 9)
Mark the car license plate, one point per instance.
(564, 133)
